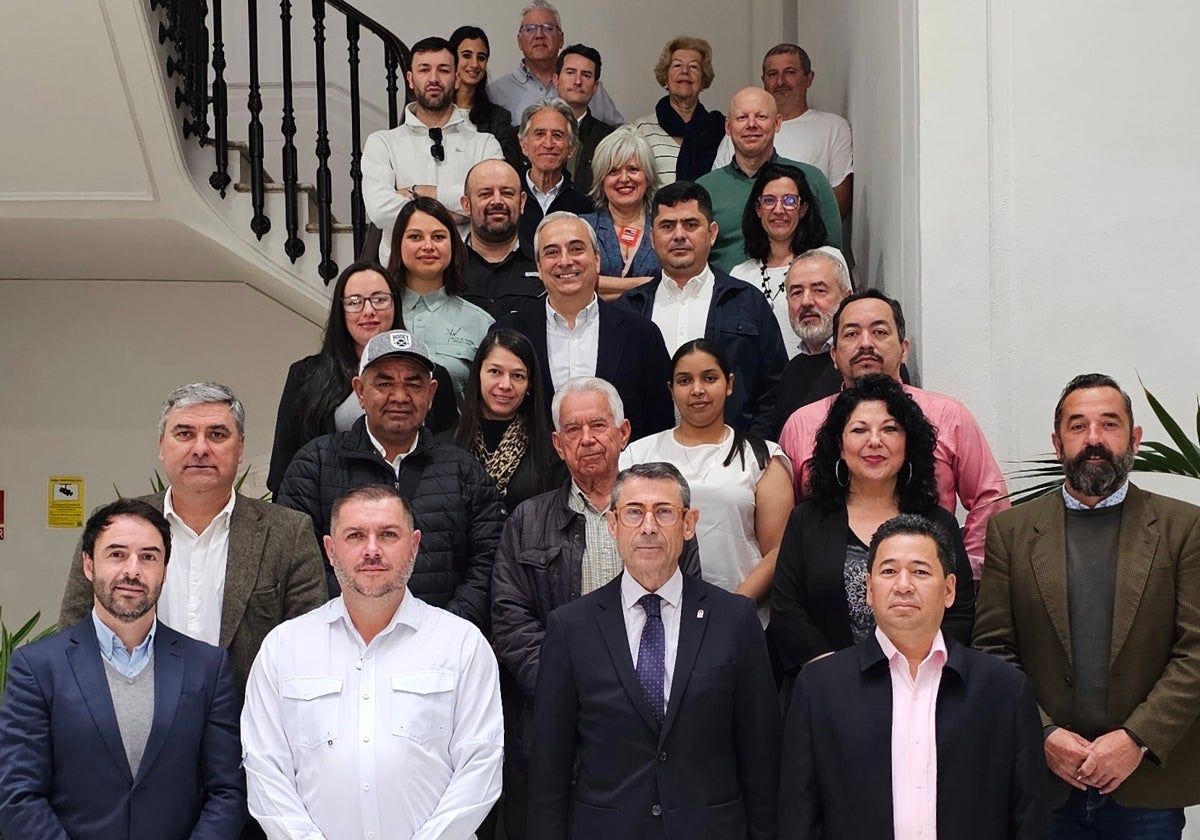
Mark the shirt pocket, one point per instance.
(310, 710)
(423, 705)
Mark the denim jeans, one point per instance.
(1091, 815)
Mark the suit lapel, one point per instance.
(611, 621)
(1136, 546)
(168, 681)
(692, 625)
(247, 535)
(613, 336)
(88, 667)
(1048, 552)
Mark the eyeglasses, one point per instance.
(535, 28)
(632, 516)
(437, 149)
(379, 301)
(768, 202)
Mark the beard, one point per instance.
(396, 582)
(496, 233)
(435, 102)
(814, 334)
(1098, 479)
(126, 612)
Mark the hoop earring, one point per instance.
(837, 472)
(908, 480)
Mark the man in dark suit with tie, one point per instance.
(658, 687)
(1095, 592)
(119, 727)
(577, 334)
(909, 734)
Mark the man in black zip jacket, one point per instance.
(454, 503)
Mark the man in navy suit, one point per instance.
(577, 334)
(658, 687)
(119, 727)
(909, 734)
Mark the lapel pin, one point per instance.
(699, 613)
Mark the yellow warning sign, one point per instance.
(64, 502)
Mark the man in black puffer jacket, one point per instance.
(453, 501)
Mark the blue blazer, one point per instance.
(63, 770)
(645, 261)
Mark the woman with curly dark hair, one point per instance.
(873, 460)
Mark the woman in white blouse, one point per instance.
(740, 484)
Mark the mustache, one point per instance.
(865, 354)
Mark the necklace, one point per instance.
(766, 281)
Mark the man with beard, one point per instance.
(868, 337)
(119, 726)
(430, 153)
(500, 276)
(375, 715)
(1095, 593)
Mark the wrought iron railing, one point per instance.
(191, 26)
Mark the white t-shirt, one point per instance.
(818, 138)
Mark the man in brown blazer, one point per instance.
(1095, 593)
(244, 566)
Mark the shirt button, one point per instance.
(366, 695)
(366, 787)
(662, 756)
(358, 664)
(366, 738)
(656, 810)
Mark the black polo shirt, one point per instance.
(500, 288)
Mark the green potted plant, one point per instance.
(9, 642)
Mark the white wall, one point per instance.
(84, 367)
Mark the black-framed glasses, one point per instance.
(768, 202)
(632, 516)
(535, 28)
(378, 301)
(437, 149)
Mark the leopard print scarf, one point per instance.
(503, 463)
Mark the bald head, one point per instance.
(752, 122)
(493, 200)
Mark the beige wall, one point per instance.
(84, 367)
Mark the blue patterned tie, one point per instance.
(652, 663)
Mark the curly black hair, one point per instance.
(917, 494)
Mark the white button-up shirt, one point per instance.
(671, 593)
(194, 588)
(682, 314)
(544, 199)
(399, 738)
(573, 351)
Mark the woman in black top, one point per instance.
(472, 49)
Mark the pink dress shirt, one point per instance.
(914, 739)
(963, 462)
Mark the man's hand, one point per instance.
(1112, 758)
(1065, 754)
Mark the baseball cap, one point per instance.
(395, 343)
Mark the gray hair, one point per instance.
(552, 103)
(623, 144)
(832, 257)
(656, 470)
(789, 49)
(583, 385)
(558, 216)
(202, 393)
(543, 4)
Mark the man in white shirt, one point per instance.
(377, 715)
(909, 734)
(806, 134)
(430, 153)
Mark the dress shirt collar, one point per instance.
(176, 521)
(432, 301)
(408, 614)
(671, 591)
(589, 313)
(691, 290)
(578, 501)
(937, 652)
(526, 77)
(544, 198)
(825, 348)
(113, 650)
(379, 447)
(1108, 501)
(774, 156)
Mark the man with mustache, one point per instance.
(430, 153)
(868, 337)
(376, 715)
(119, 726)
(500, 276)
(1095, 593)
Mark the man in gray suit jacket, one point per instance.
(239, 566)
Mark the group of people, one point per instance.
(616, 501)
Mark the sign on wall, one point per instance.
(64, 502)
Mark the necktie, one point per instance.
(651, 663)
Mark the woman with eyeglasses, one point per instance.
(472, 49)
(317, 397)
(427, 260)
(740, 484)
(781, 221)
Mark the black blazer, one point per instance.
(710, 771)
(569, 199)
(809, 614)
(632, 356)
(591, 132)
(836, 780)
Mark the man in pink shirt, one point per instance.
(910, 735)
(868, 337)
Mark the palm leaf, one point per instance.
(1187, 451)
